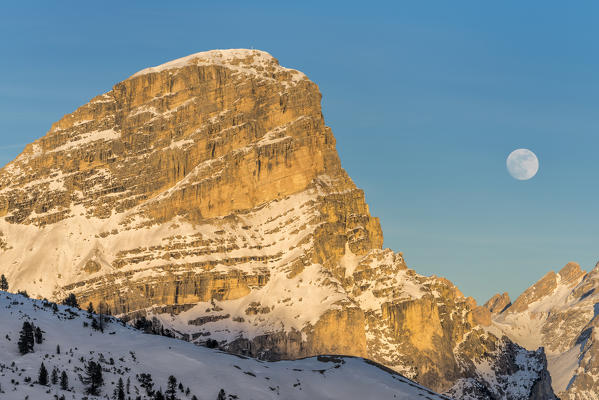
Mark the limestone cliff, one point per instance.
(207, 194)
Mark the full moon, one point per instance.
(522, 164)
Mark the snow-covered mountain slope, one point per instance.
(207, 195)
(124, 352)
(560, 313)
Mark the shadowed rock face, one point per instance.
(207, 194)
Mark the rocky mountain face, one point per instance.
(559, 313)
(207, 195)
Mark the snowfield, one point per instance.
(126, 352)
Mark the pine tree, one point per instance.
(145, 381)
(26, 339)
(142, 324)
(222, 395)
(90, 308)
(128, 385)
(39, 336)
(3, 283)
(92, 378)
(64, 381)
(119, 392)
(103, 308)
(101, 322)
(194, 397)
(171, 389)
(54, 379)
(42, 377)
(71, 301)
(57, 349)
(159, 395)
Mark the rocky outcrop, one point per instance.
(207, 195)
(173, 286)
(512, 367)
(498, 303)
(545, 286)
(542, 390)
(336, 332)
(482, 316)
(570, 274)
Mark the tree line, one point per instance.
(92, 376)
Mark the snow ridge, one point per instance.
(257, 61)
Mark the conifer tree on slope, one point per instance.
(119, 391)
(93, 378)
(39, 336)
(26, 339)
(145, 381)
(42, 377)
(3, 283)
(171, 391)
(64, 381)
(71, 301)
(54, 378)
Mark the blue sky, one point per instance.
(426, 100)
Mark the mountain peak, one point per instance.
(246, 60)
(543, 287)
(567, 277)
(570, 273)
(207, 195)
(498, 303)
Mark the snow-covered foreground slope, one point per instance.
(125, 352)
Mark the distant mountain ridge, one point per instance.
(560, 313)
(206, 194)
